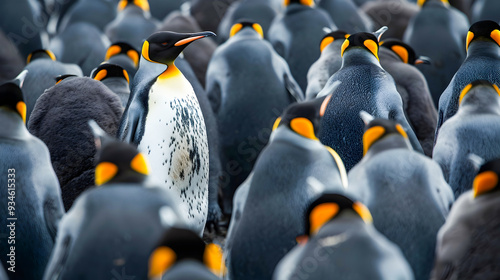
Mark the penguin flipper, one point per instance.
(128, 126)
(293, 88)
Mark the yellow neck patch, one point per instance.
(402, 52)
(370, 136)
(470, 36)
(160, 261)
(325, 43)
(363, 212)
(324, 105)
(484, 182)
(495, 35)
(372, 46)
(276, 123)
(237, 28)
(112, 51)
(213, 259)
(464, 92)
(125, 74)
(49, 53)
(143, 4)
(321, 214)
(401, 131)
(309, 3)
(21, 109)
(340, 165)
(145, 51)
(104, 172)
(134, 56)
(303, 127)
(171, 72)
(344, 47)
(138, 164)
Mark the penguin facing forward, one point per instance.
(347, 16)
(327, 64)
(182, 254)
(438, 31)
(365, 85)
(296, 33)
(293, 169)
(80, 43)
(163, 118)
(42, 67)
(399, 60)
(115, 78)
(32, 197)
(466, 247)
(404, 190)
(59, 118)
(133, 23)
(482, 63)
(121, 219)
(263, 83)
(124, 55)
(473, 129)
(340, 237)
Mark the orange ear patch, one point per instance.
(325, 43)
(484, 182)
(321, 214)
(371, 136)
(372, 46)
(402, 52)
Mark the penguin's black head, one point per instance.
(243, 24)
(11, 98)
(421, 3)
(377, 129)
(332, 36)
(123, 48)
(304, 117)
(41, 53)
(309, 3)
(164, 47)
(117, 162)
(486, 29)
(404, 51)
(327, 207)
(474, 84)
(109, 70)
(364, 40)
(60, 78)
(183, 244)
(486, 181)
(143, 4)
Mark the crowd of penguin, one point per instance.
(249, 139)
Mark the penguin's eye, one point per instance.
(164, 44)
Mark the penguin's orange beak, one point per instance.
(194, 37)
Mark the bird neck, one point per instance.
(13, 126)
(388, 142)
(171, 72)
(359, 56)
(484, 47)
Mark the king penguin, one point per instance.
(365, 85)
(182, 254)
(95, 12)
(485, 10)
(296, 33)
(163, 118)
(292, 170)
(112, 228)
(438, 31)
(31, 197)
(466, 244)
(327, 64)
(386, 13)
(262, 89)
(340, 237)
(402, 189)
(124, 55)
(347, 16)
(473, 129)
(115, 78)
(133, 23)
(399, 59)
(482, 63)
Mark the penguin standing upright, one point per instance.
(42, 69)
(111, 230)
(124, 55)
(347, 16)
(182, 254)
(163, 118)
(399, 59)
(59, 119)
(365, 85)
(340, 236)
(115, 78)
(257, 84)
(473, 129)
(31, 197)
(438, 31)
(96, 12)
(482, 63)
(293, 169)
(467, 247)
(327, 64)
(133, 23)
(404, 190)
(296, 33)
